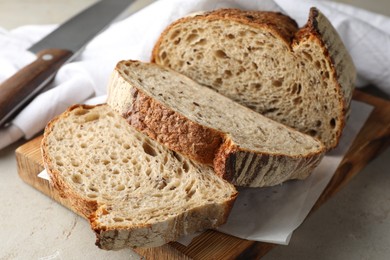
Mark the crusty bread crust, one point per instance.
(198, 142)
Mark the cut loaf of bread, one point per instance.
(134, 191)
(300, 77)
(245, 147)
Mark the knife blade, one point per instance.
(53, 51)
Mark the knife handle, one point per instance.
(24, 85)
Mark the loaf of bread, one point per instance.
(246, 148)
(303, 78)
(134, 191)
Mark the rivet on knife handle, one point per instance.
(23, 86)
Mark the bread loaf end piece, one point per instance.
(322, 48)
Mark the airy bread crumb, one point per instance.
(134, 191)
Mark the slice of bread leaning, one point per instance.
(303, 78)
(134, 191)
(246, 148)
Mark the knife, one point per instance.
(54, 50)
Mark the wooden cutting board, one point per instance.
(372, 139)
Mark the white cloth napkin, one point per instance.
(366, 35)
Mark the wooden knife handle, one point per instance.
(23, 86)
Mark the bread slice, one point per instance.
(303, 78)
(134, 191)
(245, 147)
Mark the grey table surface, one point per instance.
(354, 224)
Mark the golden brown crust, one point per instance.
(180, 134)
(277, 23)
(223, 163)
